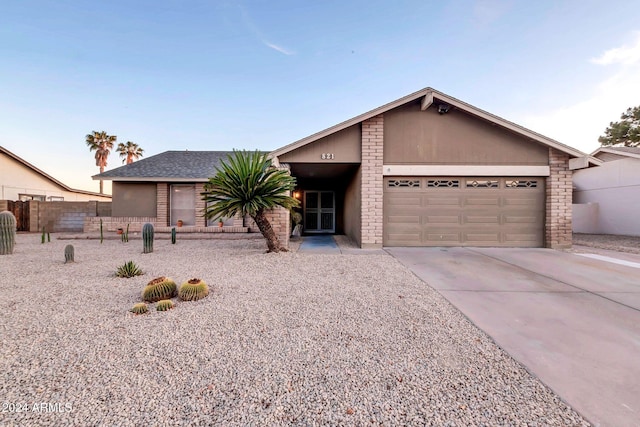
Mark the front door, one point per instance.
(319, 212)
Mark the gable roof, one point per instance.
(170, 166)
(47, 176)
(430, 97)
(633, 152)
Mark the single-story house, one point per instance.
(20, 180)
(607, 198)
(424, 170)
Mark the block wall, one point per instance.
(371, 187)
(559, 189)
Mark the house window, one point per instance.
(56, 199)
(404, 183)
(27, 197)
(183, 204)
(446, 183)
(521, 183)
(482, 183)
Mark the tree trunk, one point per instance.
(101, 170)
(273, 244)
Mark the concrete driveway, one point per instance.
(573, 321)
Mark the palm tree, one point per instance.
(248, 184)
(131, 151)
(102, 143)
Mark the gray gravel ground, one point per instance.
(629, 244)
(282, 339)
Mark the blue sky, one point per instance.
(218, 75)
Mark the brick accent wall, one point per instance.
(371, 187)
(200, 220)
(162, 204)
(558, 202)
(280, 221)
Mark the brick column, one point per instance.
(371, 186)
(558, 206)
(200, 221)
(162, 204)
(281, 224)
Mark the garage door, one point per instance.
(464, 211)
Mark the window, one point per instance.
(27, 197)
(404, 183)
(521, 183)
(183, 204)
(482, 183)
(447, 183)
(56, 199)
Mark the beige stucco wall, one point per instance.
(352, 206)
(615, 187)
(343, 145)
(413, 136)
(134, 199)
(16, 179)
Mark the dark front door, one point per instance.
(319, 212)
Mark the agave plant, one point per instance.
(139, 308)
(129, 269)
(193, 290)
(164, 305)
(158, 289)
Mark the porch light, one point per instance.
(296, 194)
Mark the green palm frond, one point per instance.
(247, 183)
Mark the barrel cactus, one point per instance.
(164, 305)
(193, 290)
(139, 308)
(147, 238)
(158, 289)
(7, 232)
(69, 253)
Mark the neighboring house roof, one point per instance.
(430, 97)
(170, 166)
(47, 176)
(633, 152)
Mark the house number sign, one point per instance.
(327, 156)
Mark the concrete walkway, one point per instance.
(573, 321)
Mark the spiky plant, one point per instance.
(139, 308)
(7, 233)
(129, 269)
(164, 305)
(158, 289)
(147, 238)
(193, 290)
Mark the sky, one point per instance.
(225, 74)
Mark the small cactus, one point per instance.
(164, 305)
(101, 232)
(173, 235)
(158, 289)
(7, 233)
(68, 254)
(139, 308)
(193, 290)
(129, 269)
(147, 238)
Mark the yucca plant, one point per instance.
(139, 308)
(158, 289)
(247, 183)
(129, 269)
(164, 305)
(193, 290)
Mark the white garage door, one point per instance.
(464, 211)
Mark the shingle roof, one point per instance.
(632, 150)
(169, 166)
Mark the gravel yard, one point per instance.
(629, 244)
(282, 339)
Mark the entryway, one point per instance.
(319, 212)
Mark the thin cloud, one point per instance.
(278, 48)
(252, 27)
(625, 54)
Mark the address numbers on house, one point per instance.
(327, 156)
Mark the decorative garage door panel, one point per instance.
(464, 211)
